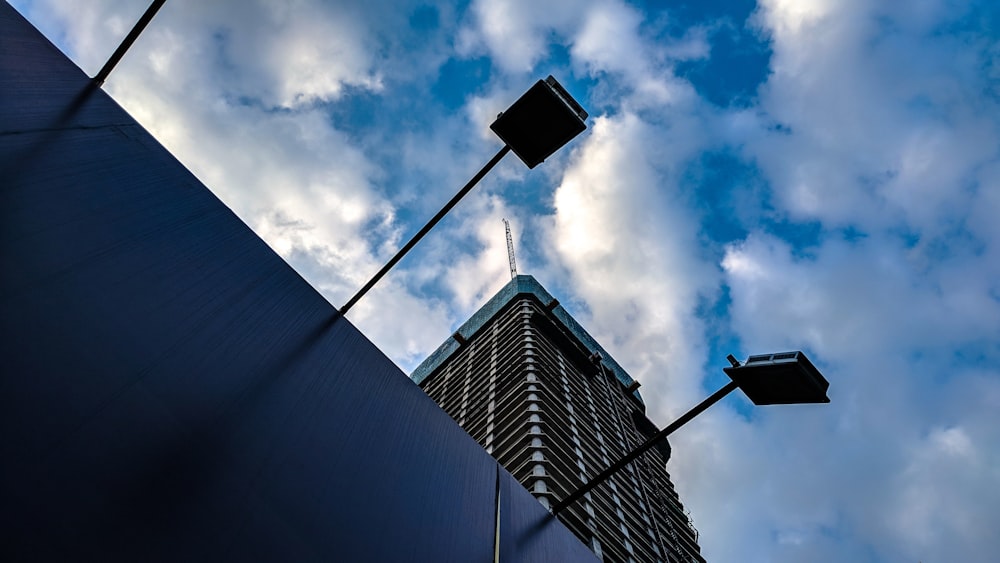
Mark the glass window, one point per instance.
(534, 418)
(532, 397)
(537, 456)
(595, 545)
(540, 487)
(535, 429)
(538, 470)
(536, 442)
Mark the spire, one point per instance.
(510, 250)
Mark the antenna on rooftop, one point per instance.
(510, 250)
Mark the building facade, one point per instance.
(552, 406)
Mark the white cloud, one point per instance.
(516, 33)
(880, 126)
(622, 232)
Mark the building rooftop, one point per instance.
(519, 286)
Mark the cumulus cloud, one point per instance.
(621, 230)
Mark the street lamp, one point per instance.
(768, 379)
(538, 124)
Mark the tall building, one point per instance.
(552, 406)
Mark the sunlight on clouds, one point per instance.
(608, 39)
(795, 16)
(315, 59)
(516, 32)
(627, 244)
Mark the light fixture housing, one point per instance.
(785, 378)
(540, 122)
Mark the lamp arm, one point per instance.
(652, 441)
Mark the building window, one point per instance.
(534, 418)
(540, 487)
(536, 442)
(537, 456)
(533, 407)
(538, 470)
(532, 397)
(535, 429)
(595, 545)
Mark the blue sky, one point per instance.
(818, 175)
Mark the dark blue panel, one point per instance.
(529, 533)
(172, 390)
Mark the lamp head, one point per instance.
(540, 122)
(785, 378)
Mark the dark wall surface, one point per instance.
(170, 389)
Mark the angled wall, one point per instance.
(172, 390)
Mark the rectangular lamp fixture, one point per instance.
(780, 379)
(540, 122)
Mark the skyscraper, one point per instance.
(549, 403)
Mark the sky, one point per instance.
(755, 177)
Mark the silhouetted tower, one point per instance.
(530, 385)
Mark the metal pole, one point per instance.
(140, 25)
(426, 228)
(618, 465)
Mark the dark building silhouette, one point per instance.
(173, 391)
(530, 385)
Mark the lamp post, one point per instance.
(538, 124)
(768, 379)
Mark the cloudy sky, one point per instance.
(820, 175)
